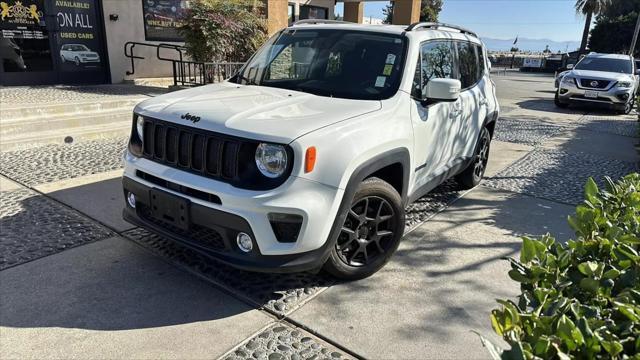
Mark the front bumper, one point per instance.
(235, 211)
(612, 97)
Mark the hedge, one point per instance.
(580, 299)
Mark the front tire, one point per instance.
(370, 233)
(628, 107)
(559, 103)
(473, 174)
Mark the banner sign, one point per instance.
(79, 43)
(162, 19)
(532, 63)
(22, 19)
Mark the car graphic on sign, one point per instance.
(78, 54)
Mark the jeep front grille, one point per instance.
(201, 152)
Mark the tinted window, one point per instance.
(468, 60)
(437, 60)
(608, 65)
(481, 60)
(346, 64)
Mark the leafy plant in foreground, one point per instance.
(580, 299)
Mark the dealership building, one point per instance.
(83, 41)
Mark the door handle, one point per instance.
(483, 101)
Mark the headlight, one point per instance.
(624, 84)
(568, 80)
(139, 126)
(271, 160)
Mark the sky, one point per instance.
(505, 19)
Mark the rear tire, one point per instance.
(473, 174)
(559, 103)
(370, 233)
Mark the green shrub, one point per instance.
(580, 299)
(223, 30)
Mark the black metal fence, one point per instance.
(185, 72)
(191, 73)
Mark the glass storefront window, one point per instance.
(313, 12)
(24, 39)
(162, 19)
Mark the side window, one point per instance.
(481, 62)
(437, 60)
(468, 64)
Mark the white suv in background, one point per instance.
(307, 158)
(607, 80)
(78, 54)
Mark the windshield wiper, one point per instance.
(249, 81)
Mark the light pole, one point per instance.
(632, 49)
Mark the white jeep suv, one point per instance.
(606, 80)
(307, 158)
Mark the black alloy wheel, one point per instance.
(473, 174)
(367, 232)
(482, 155)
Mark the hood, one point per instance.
(255, 112)
(602, 75)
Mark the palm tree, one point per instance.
(589, 8)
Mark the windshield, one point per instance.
(603, 64)
(78, 48)
(336, 63)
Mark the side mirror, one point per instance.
(442, 90)
(569, 66)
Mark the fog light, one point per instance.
(131, 199)
(244, 242)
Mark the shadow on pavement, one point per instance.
(107, 285)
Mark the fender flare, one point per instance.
(380, 161)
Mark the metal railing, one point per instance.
(192, 73)
(185, 72)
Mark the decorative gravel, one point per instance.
(525, 130)
(281, 293)
(557, 175)
(16, 96)
(51, 163)
(280, 342)
(438, 199)
(617, 125)
(32, 226)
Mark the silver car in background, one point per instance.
(606, 80)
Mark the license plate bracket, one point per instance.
(591, 94)
(170, 208)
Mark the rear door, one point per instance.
(473, 101)
(432, 124)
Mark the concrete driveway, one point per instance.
(78, 282)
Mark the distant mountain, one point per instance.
(525, 44)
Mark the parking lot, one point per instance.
(76, 281)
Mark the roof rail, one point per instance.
(436, 26)
(319, 21)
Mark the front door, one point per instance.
(52, 42)
(433, 124)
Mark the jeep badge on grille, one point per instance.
(194, 119)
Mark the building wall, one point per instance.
(329, 4)
(130, 27)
